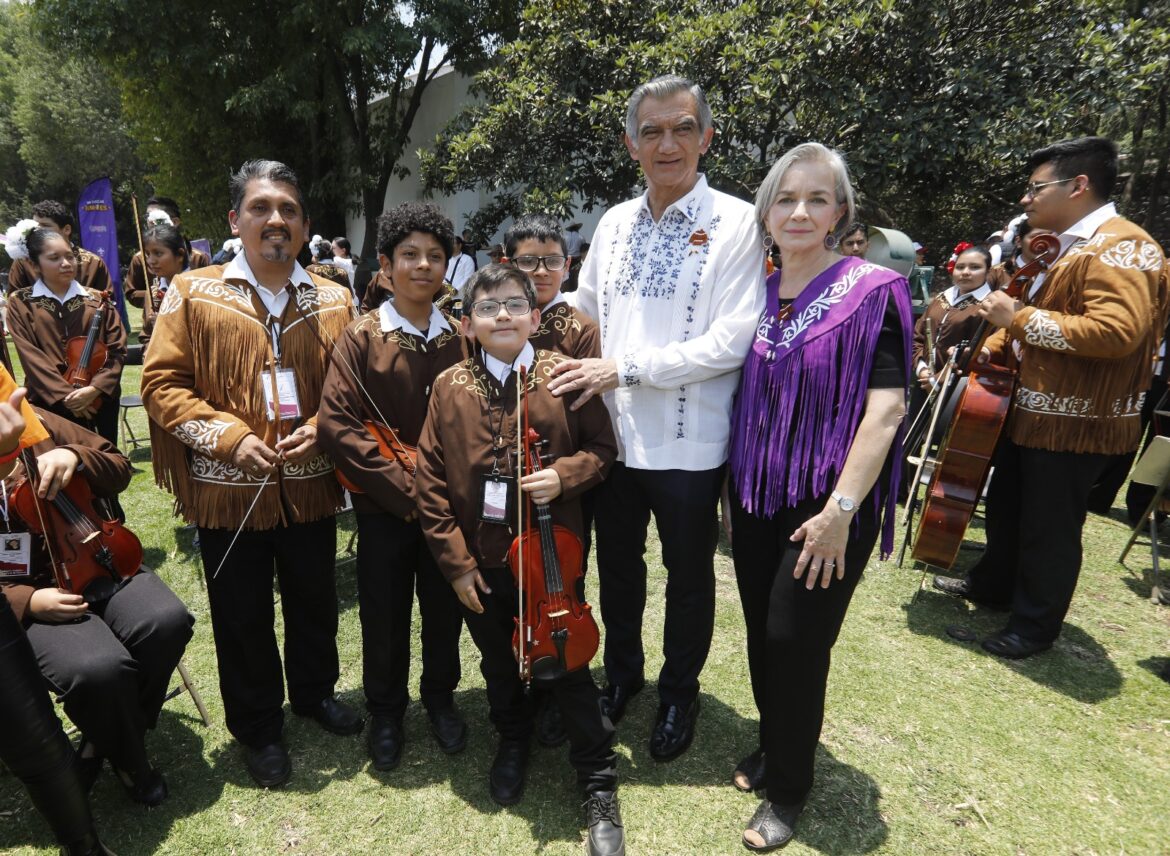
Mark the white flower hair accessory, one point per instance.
(156, 216)
(16, 239)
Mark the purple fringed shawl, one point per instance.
(803, 389)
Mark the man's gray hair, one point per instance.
(664, 87)
(267, 170)
(808, 153)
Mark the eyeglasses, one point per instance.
(491, 308)
(528, 264)
(1033, 187)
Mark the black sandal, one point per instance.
(775, 825)
(752, 769)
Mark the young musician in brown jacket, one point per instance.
(232, 382)
(466, 472)
(43, 317)
(1083, 340)
(90, 270)
(382, 370)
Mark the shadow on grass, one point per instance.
(1077, 666)
(175, 748)
(141, 455)
(843, 815)
(1159, 666)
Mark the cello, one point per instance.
(555, 631)
(92, 554)
(964, 457)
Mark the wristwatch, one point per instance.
(847, 504)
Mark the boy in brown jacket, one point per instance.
(466, 472)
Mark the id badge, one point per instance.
(495, 492)
(286, 391)
(15, 555)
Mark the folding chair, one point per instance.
(1153, 468)
(127, 402)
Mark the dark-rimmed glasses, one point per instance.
(491, 308)
(529, 264)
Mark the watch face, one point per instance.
(846, 503)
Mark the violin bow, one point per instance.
(521, 444)
(142, 251)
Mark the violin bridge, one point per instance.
(90, 537)
(558, 613)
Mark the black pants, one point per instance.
(590, 731)
(32, 743)
(112, 667)
(790, 634)
(242, 616)
(1036, 507)
(393, 560)
(683, 504)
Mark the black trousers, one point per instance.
(590, 731)
(790, 634)
(32, 744)
(393, 561)
(112, 667)
(242, 616)
(683, 504)
(1036, 507)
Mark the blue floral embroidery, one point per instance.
(630, 371)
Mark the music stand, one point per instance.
(1153, 468)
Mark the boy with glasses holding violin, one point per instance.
(467, 495)
(382, 371)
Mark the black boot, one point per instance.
(507, 776)
(603, 818)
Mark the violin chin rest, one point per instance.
(547, 669)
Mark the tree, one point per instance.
(332, 88)
(934, 102)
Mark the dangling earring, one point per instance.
(769, 265)
(831, 241)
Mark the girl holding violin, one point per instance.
(70, 339)
(375, 398)
(952, 316)
(815, 433)
(107, 650)
(166, 257)
(465, 486)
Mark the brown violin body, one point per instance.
(390, 447)
(85, 546)
(555, 632)
(964, 458)
(85, 355)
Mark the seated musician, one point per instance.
(45, 316)
(465, 470)
(32, 744)
(382, 370)
(109, 658)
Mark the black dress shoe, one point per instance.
(674, 730)
(507, 776)
(615, 697)
(603, 819)
(384, 740)
(334, 716)
(550, 726)
(1013, 646)
(147, 787)
(774, 824)
(269, 766)
(448, 729)
(752, 769)
(961, 587)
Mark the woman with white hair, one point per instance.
(816, 429)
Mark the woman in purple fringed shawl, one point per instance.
(816, 426)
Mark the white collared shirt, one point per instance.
(560, 298)
(274, 302)
(459, 270)
(677, 301)
(391, 320)
(76, 289)
(501, 370)
(1081, 230)
(953, 296)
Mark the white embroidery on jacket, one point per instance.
(202, 435)
(1043, 332)
(1133, 255)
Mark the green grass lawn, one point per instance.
(930, 746)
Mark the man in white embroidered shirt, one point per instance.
(675, 280)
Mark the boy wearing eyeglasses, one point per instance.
(467, 497)
(536, 245)
(382, 371)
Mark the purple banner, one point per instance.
(203, 245)
(99, 231)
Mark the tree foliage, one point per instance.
(329, 86)
(934, 102)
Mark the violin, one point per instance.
(85, 355)
(91, 554)
(964, 457)
(555, 630)
(390, 447)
